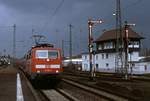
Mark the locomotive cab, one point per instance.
(44, 62)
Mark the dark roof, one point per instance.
(111, 35)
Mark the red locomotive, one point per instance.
(43, 60)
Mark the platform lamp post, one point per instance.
(126, 49)
(90, 38)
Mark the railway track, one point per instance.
(141, 78)
(57, 95)
(110, 77)
(36, 93)
(96, 94)
(76, 91)
(49, 94)
(135, 88)
(130, 89)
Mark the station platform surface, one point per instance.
(10, 90)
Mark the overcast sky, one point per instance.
(51, 18)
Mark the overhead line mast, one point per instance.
(70, 49)
(14, 44)
(119, 40)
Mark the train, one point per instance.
(43, 61)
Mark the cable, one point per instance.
(53, 14)
(133, 4)
(110, 20)
(58, 7)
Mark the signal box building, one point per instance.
(104, 58)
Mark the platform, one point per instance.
(10, 89)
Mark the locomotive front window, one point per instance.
(53, 54)
(42, 54)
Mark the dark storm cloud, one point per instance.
(30, 6)
(47, 18)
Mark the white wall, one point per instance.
(85, 62)
(141, 68)
(134, 56)
(105, 64)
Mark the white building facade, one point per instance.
(104, 59)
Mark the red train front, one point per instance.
(44, 61)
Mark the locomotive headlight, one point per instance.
(47, 59)
(55, 66)
(40, 66)
(38, 71)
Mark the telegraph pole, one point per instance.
(90, 25)
(70, 50)
(14, 44)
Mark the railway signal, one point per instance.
(90, 25)
(126, 49)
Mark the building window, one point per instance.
(85, 57)
(96, 66)
(102, 56)
(85, 65)
(108, 45)
(107, 55)
(96, 57)
(86, 68)
(111, 45)
(136, 43)
(107, 65)
(99, 47)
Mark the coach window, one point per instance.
(29, 55)
(24, 57)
